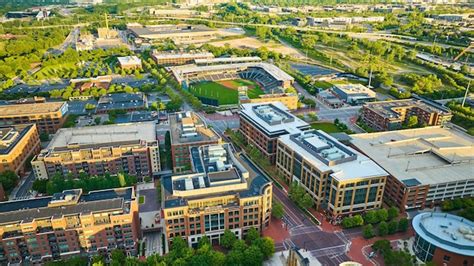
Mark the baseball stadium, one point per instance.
(234, 80)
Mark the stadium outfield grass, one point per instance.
(225, 91)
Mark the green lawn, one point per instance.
(213, 90)
(322, 84)
(141, 199)
(223, 94)
(326, 127)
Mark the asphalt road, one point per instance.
(329, 247)
(23, 190)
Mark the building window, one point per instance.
(446, 258)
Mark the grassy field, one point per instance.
(326, 127)
(225, 91)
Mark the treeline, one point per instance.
(317, 2)
(395, 257)
(463, 207)
(462, 116)
(59, 183)
(384, 219)
(252, 252)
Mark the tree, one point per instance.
(39, 185)
(118, 257)
(371, 217)
(392, 227)
(277, 209)
(383, 246)
(8, 179)
(121, 178)
(412, 121)
(392, 213)
(266, 246)
(383, 229)
(253, 256)
(44, 136)
(228, 239)
(393, 258)
(358, 220)
(204, 241)
(368, 231)
(216, 258)
(382, 215)
(252, 235)
(403, 225)
(306, 202)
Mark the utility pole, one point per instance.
(370, 76)
(465, 94)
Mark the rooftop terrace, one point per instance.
(187, 127)
(216, 172)
(273, 118)
(328, 154)
(428, 155)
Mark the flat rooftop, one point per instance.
(187, 127)
(327, 154)
(449, 232)
(167, 55)
(39, 208)
(125, 60)
(30, 108)
(227, 60)
(144, 131)
(388, 108)
(166, 30)
(121, 101)
(427, 156)
(355, 89)
(216, 172)
(272, 118)
(11, 135)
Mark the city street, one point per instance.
(22, 191)
(329, 247)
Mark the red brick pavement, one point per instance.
(356, 250)
(276, 231)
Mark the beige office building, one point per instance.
(338, 178)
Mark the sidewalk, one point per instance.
(358, 244)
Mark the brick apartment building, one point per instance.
(18, 144)
(219, 194)
(391, 115)
(48, 117)
(130, 148)
(67, 224)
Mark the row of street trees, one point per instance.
(252, 252)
